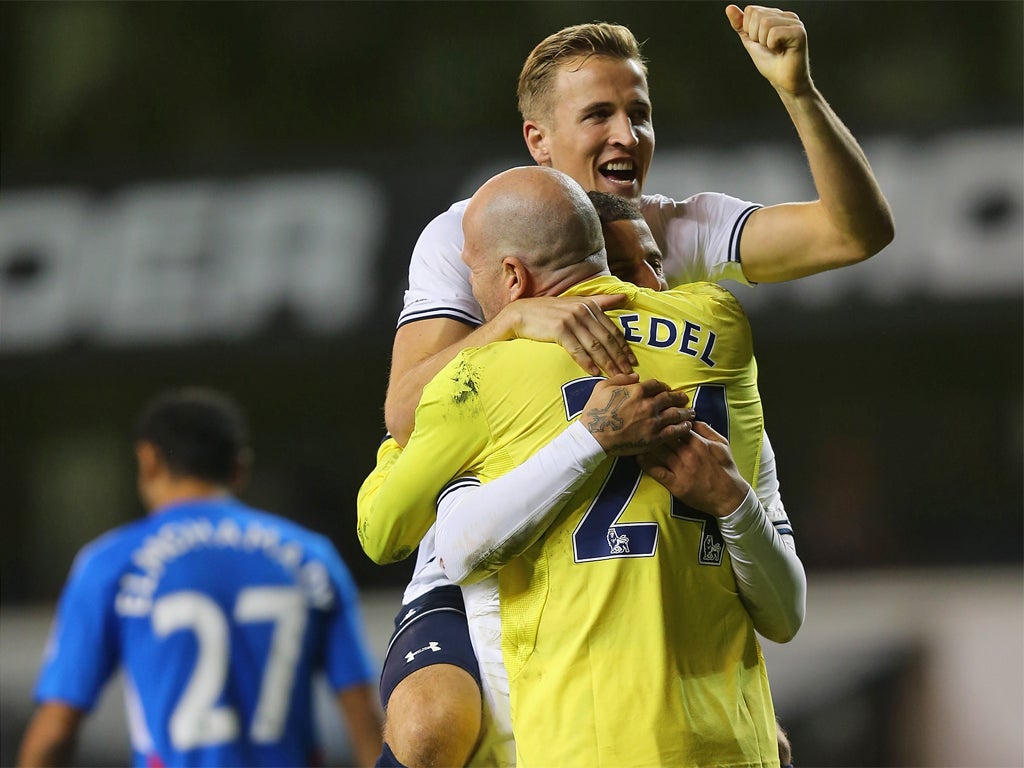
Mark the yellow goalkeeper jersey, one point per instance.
(623, 633)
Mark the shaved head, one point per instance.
(538, 214)
(534, 219)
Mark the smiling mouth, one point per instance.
(618, 171)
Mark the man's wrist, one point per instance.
(585, 448)
(743, 513)
(501, 327)
(805, 101)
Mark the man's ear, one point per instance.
(516, 278)
(149, 459)
(536, 141)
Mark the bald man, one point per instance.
(625, 609)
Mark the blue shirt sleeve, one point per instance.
(82, 650)
(347, 660)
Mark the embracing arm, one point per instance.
(768, 572)
(396, 504)
(386, 538)
(700, 471)
(482, 527)
(424, 347)
(420, 350)
(851, 220)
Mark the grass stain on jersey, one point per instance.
(466, 389)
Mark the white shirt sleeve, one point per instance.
(769, 575)
(481, 527)
(438, 279)
(699, 237)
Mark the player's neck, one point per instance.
(180, 490)
(562, 281)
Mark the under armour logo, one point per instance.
(412, 611)
(431, 646)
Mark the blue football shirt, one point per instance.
(220, 616)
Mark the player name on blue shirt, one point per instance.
(176, 539)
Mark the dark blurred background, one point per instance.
(228, 194)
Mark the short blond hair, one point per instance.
(576, 43)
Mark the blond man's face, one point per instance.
(599, 130)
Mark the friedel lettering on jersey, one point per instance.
(684, 336)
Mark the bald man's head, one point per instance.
(530, 231)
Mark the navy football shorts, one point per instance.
(432, 629)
